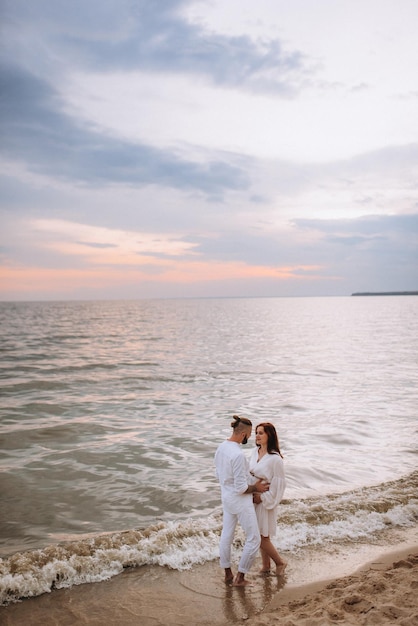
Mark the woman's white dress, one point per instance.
(270, 468)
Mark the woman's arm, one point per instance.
(273, 496)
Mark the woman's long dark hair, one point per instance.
(272, 438)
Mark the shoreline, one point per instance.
(381, 592)
(379, 563)
(317, 579)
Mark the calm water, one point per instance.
(111, 413)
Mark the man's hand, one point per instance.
(261, 486)
(256, 498)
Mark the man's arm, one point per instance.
(240, 473)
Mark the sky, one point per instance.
(180, 148)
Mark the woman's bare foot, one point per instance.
(281, 568)
(265, 572)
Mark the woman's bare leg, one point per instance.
(268, 548)
(265, 559)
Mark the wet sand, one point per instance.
(383, 591)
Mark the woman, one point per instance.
(266, 463)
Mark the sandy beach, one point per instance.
(384, 592)
(373, 584)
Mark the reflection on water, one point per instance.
(242, 603)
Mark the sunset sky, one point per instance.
(170, 148)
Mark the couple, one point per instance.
(250, 496)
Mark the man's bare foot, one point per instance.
(229, 576)
(242, 583)
(239, 581)
(281, 568)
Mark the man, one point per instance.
(237, 501)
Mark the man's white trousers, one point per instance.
(248, 522)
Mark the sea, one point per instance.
(111, 413)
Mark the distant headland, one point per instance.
(386, 293)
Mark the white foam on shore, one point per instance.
(356, 517)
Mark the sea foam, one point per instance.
(359, 515)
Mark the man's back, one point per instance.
(232, 472)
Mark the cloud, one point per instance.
(378, 253)
(109, 245)
(368, 226)
(127, 36)
(96, 244)
(366, 254)
(33, 128)
(73, 257)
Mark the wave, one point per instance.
(358, 515)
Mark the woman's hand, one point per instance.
(256, 498)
